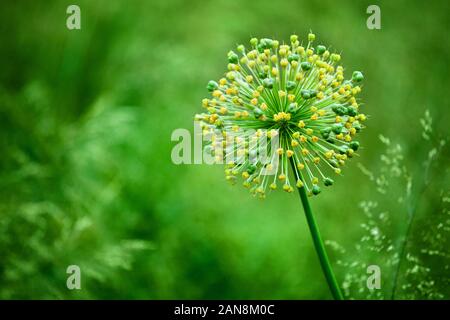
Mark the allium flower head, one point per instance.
(296, 93)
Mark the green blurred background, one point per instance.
(86, 176)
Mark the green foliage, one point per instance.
(413, 252)
(56, 202)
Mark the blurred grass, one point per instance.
(86, 118)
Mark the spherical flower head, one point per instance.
(293, 94)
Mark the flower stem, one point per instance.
(318, 244)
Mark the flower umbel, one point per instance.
(295, 93)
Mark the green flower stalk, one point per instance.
(297, 95)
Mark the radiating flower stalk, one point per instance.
(295, 95)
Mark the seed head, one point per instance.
(296, 94)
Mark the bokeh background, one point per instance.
(86, 176)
